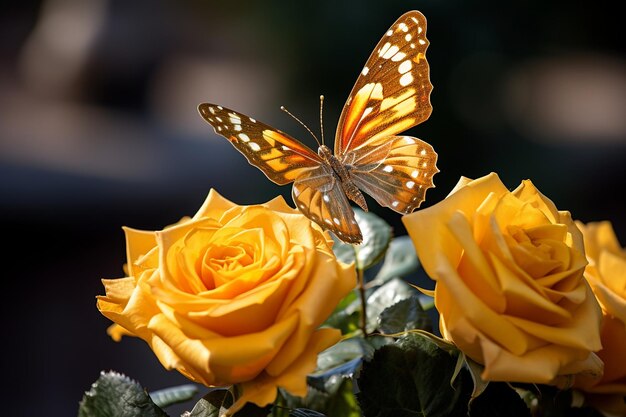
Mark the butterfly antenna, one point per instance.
(321, 118)
(300, 121)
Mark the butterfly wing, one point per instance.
(319, 196)
(396, 173)
(392, 93)
(281, 157)
(316, 191)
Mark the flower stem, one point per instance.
(359, 272)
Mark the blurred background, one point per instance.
(99, 129)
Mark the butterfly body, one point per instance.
(342, 176)
(391, 95)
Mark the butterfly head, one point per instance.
(325, 153)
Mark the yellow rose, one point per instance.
(509, 281)
(235, 294)
(606, 273)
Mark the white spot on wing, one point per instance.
(286, 148)
(403, 27)
(236, 121)
(219, 119)
(336, 220)
(384, 49)
(423, 152)
(422, 42)
(408, 37)
(395, 204)
(390, 52)
(252, 120)
(405, 67)
(244, 137)
(365, 71)
(410, 184)
(398, 57)
(326, 198)
(254, 146)
(406, 79)
(389, 32)
(220, 107)
(415, 173)
(388, 168)
(377, 92)
(237, 127)
(409, 140)
(212, 110)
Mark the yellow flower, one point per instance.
(510, 289)
(235, 294)
(606, 273)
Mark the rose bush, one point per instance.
(606, 273)
(235, 294)
(509, 281)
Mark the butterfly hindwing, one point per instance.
(392, 93)
(281, 157)
(320, 197)
(396, 173)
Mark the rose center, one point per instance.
(223, 263)
(539, 256)
(229, 258)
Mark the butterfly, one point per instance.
(391, 95)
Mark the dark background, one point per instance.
(99, 129)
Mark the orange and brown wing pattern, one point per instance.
(321, 198)
(282, 158)
(397, 173)
(392, 93)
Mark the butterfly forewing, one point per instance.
(392, 93)
(281, 157)
(319, 196)
(399, 178)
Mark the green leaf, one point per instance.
(400, 260)
(339, 402)
(173, 395)
(376, 238)
(342, 352)
(215, 402)
(404, 315)
(114, 394)
(412, 378)
(325, 381)
(386, 295)
(343, 403)
(218, 400)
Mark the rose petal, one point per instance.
(214, 206)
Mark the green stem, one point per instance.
(361, 279)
